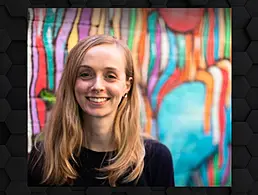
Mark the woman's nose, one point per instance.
(98, 84)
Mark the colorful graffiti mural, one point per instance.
(184, 60)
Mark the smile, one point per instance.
(97, 99)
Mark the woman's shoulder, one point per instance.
(156, 148)
(158, 164)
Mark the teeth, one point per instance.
(98, 99)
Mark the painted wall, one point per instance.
(184, 60)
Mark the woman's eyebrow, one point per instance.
(111, 68)
(84, 66)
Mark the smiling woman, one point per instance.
(102, 80)
(93, 136)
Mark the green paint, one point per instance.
(48, 43)
(47, 96)
(181, 50)
(111, 32)
(227, 33)
(229, 182)
(216, 180)
(152, 29)
(205, 35)
(131, 28)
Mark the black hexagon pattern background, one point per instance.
(13, 106)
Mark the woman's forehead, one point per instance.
(108, 56)
(105, 49)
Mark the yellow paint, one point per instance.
(74, 36)
(137, 35)
(101, 29)
(116, 22)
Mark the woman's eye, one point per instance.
(85, 74)
(111, 76)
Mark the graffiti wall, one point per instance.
(184, 60)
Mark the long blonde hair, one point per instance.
(64, 136)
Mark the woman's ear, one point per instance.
(129, 84)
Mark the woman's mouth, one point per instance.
(98, 100)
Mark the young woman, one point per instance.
(93, 136)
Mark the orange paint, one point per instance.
(141, 47)
(148, 110)
(207, 79)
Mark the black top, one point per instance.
(158, 167)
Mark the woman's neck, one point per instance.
(99, 133)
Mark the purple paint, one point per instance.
(125, 24)
(34, 72)
(155, 73)
(61, 41)
(86, 16)
(84, 24)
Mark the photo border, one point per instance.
(13, 98)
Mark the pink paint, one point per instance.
(61, 42)
(84, 24)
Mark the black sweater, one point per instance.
(158, 168)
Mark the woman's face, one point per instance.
(101, 80)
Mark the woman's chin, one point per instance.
(95, 113)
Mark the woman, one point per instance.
(93, 135)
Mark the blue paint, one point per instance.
(168, 72)
(181, 127)
(59, 19)
(204, 173)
